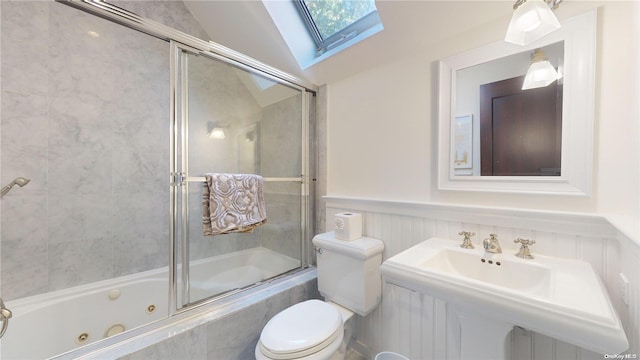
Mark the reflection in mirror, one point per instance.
(477, 153)
(502, 129)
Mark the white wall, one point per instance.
(381, 123)
(381, 144)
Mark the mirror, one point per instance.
(494, 136)
(503, 130)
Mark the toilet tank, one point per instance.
(349, 271)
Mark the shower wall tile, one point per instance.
(23, 70)
(135, 255)
(79, 261)
(306, 291)
(172, 13)
(24, 36)
(282, 231)
(141, 242)
(86, 118)
(24, 140)
(79, 217)
(25, 22)
(281, 125)
(136, 172)
(320, 139)
(24, 120)
(75, 74)
(190, 345)
(79, 149)
(24, 246)
(84, 38)
(32, 257)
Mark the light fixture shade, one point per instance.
(215, 130)
(531, 21)
(540, 74)
(217, 133)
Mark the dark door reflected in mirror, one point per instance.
(513, 132)
(520, 130)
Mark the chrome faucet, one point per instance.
(466, 242)
(492, 245)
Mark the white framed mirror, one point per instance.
(470, 154)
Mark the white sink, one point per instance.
(515, 275)
(561, 298)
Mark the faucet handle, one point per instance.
(524, 251)
(524, 242)
(466, 242)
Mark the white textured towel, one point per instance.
(232, 203)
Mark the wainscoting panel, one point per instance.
(422, 327)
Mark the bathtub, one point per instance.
(46, 325)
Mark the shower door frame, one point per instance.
(180, 179)
(179, 39)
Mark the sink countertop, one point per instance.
(561, 298)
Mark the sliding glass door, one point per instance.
(232, 120)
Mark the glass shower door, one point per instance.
(236, 121)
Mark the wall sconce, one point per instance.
(216, 130)
(251, 136)
(541, 73)
(531, 20)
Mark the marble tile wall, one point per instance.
(281, 125)
(84, 116)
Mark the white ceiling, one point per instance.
(245, 26)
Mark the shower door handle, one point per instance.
(5, 315)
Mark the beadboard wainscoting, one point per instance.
(420, 326)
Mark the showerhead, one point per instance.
(20, 181)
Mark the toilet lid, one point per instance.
(300, 328)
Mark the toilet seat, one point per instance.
(301, 330)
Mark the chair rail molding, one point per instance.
(583, 224)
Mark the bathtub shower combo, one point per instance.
(203, 109)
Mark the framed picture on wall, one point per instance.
(463, 147)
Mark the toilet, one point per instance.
(349, 280)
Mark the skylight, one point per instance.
(317, 29)
(332, 22)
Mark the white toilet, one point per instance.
(349, 279)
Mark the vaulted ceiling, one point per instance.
(245, 26)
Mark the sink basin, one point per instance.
(561, 298)
(515, 275)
